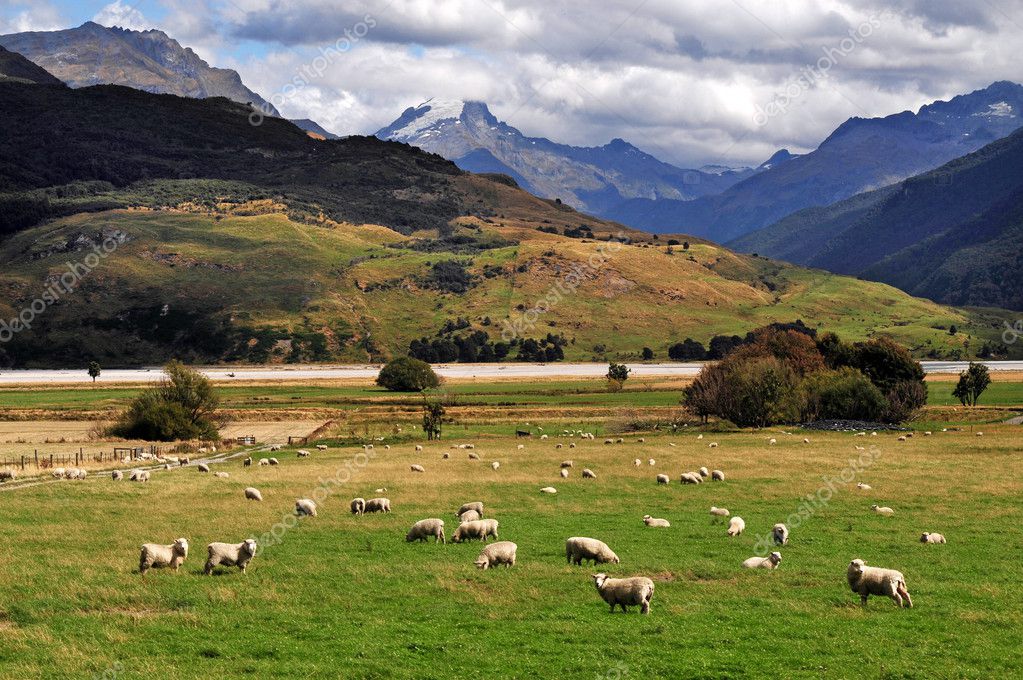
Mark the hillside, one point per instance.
(15, 67)
(861, 155)
(952, 235)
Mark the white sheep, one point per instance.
(700, 437)
(543, 436)
(690, 478)
(474, 456)
(713, 445)
(321, 447)
(717, 476)
(558, 446)
(770, 562)
(571, 445)
(222, 475)
(719, 512)
(117, 475)
(378, 505)
(495, 466)
(274, 461)
(567, 463)
(8, 475)
(651, 462)
(426, 528)
(156, 556)
(641, 440)
(637, 462)
(564, 473)
(469, 516)
(609, 441)
(417, 468)
(736, 526)
(927, 537)
(548, 489)
(139, 476)
(275, 447)
(302, 453)
(446, 456)
(247, 462)
(866, 581)
(253, 494)
(580, 548)
(520, 447)
(882, 510)
(780, 534)
(419, 447)
(704, 472)
(305, 507)
(589, 474)
(625, 592)
(863, 486)
(663, 479)
(473, 505)
(264, 461)
(230, 555)
(480, 529)
(655, 522)
(772, 441)
(501, 552)
(358, 506)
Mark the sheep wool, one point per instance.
(495, 466)
(417, 468)
(358, 506)
(882, 510)
(663, 479)
(474, 505)
(480, 530)
(625, 592)
(927, 537)
(866, 581)
(424, 529)
(156, 556)
(717, 476)
(589, 474)
(202, 467)
(580, 548)
(719, 512)
(770, 562)
(230, 555)
(548, 489)
(378, 505)
(656, 522)
(469, 516)
(117, 475)
(305, 507)
(780, 534)
(704, 472)
(500, 552)
(253, 494)
(736, 526)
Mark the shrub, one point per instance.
(687, 350)
(842, 394)
(972, 383)
(406, 374)
(648, 354)
(750, 391)
(183, 406)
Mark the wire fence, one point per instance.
(44, 461)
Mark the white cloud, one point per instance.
(18, 17)
(123, 14)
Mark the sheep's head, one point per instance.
(856, 569)
(249, 546)
(181, 546)
(598, 579)
(775, 558)
(482, 562)
(923, 537)
(614, 559)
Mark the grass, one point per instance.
(341, 595)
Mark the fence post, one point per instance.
(23, 462)
(37, 459)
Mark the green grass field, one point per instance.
(344, 596)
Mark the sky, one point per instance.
(693, 82)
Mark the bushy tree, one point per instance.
(841, 394)
(94, 370)
(406, 374)
(648, 354)
(433, 419)
(687, 350)
(972, 383)
(183, 406)
(617, 374)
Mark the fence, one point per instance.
(51, 460)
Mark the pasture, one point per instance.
(346, 596)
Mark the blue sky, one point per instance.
(691, 81)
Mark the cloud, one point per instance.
(18, 17)
(125, 15)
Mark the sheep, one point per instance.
(700, 437)
(558, 446)
(358, 506)
(663, 479)
(424, 529)
(417, 468)
(690, 478)
(655, 522)
(305, 507)
(139, 476)
(609, 441)
(548, 489)
(736, 526)
(625, 592)
(230, 555)
(579, 548)
(520, 447)
(806, 440)
(469, 516)
(58, 473)
(717, 476)
(863, 486)
(264, 461)
(501, 552)
(387, 447)
(564, 473)
(641, 440)
(274, 461)
(378, 505)
(474, 505)
(8, 475)
(704, 472)
(419, 447)
(571, 445)
(589, 474)
(321, 447)
(495, 466)
(637, 462)
(927, 433)
(222, 475)
(275, 447)
(780, 534)
(772, 441)
(926, 537)
(117, 475)
(543, 436)
(480, 529)
(156, 556)
(718, 512)
(202, 467)
(183, 461)
(866, 581)
(567, 463)
(902, 438)
(770, 562)
(302, 453)
(713, 445)
(882, 510)
(651, 462)
(620, 440)
(446, 456)
(247, 462)
(474, 456)
(253, 494)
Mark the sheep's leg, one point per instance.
(863, 599)
(901, 590)
(645, 608)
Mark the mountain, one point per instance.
(588, 178)
(222, 241)
(861, 155)
(15, 67)
(145, 60)
(954, 234)
(314, 128)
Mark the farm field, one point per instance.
(346, 596)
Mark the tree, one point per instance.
(617, 374)
(972, 383)
(842, 394)
(406, 374)
(648, 354)
(183, 406)
(94, 370)
(433, 419)
(687, 350)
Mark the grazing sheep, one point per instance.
(927, 433)
(609, 441)
(736, 526)
(772, 441)
(651, 462)
(302, 453)
(700, 437)
(805, 440)
(252, 493)
(167, 466)
(663, 479)
(222, 475)
(718, 512)
(305, 507)
(704, 472)
(641, 440)
(717, 475)
(571, 445)
(274, 461)
(564, 473)
(543, 436)
(495, 466)
(469, 516)
(882, 510)
(358, 506)
(156, 556)
(655, 522)
(579, 548)
(202, 467)
(980, 434)
(58, 473)
(425, 528)
(479, 529)
(230, 555)
(567, 463)
(8, 475)
(387, 447)
(247, 462)
(625, 592)
(589, 474)
(780, 534)
(866, 581)
(690, 478)
(474, 505)
(264, 461)
(520, 447)
(548, 489)
(275, 447)
(446, 456)
(902, 438)
(637, 462)
(713, 445)
(770, 562)
(321, 447)
(378, 505)
(474, 456)
(620, 440)
(501, 552)
(926, 537)
(557, 446)
(139, 476)
(419, 447)
(117, 475)
(863, 486)
(417, 468)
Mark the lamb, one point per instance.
(625, 592)
(446, 456)
(252, 493)
(425, 528)
(156, 556)
(780, 534)
(772, 441)
(663, 479)
(417, 468)
(58, 473)
(736, 526)
(275, 447)
(480, 529)
(564, 473)
(358, 506)
(717, 476)
(474, 505)
(609, 441)
(8, 475)
(117, 475)
(571, 445)
(305, 507)
(926, 537)
(806, 440)
(718, 512)
(656, 522)
(557, 446)
(501, 552)
(641, 440)
(589, 474)
(520, 447)
(378, 505)
(866, 581)
(495, 466)
(704, 472)
(543, 436)
(882, 510)
(469, 516)
(770, 562)
(580, 548)
(700, 437)
(230, 555)
(548, 489)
